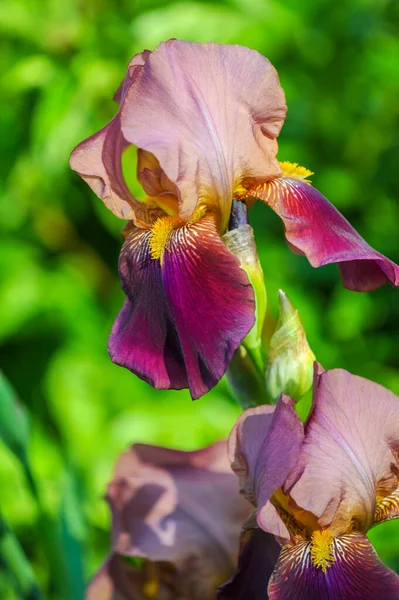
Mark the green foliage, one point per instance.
(59, 291)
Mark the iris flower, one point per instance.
(204, 118)
(182, 514)
(319, 487)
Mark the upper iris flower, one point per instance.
(320, 487)
(182, 514)
(205, 118)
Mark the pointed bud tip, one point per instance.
(285, 307)
(290, 361)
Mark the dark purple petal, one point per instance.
(179, 507)
(210, 299)
(315, 228)
(356, 574)
(350, 453)
(186, 314)
(143, 338)
(263, 447)
(258, 556)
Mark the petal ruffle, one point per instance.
(356, 573)
(98, 161)
(263, 448)
(210, 114)
(350, 451)
(182, 508)
(258, 556)
(186, 314)
(315, 228)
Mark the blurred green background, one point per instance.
(61, 61)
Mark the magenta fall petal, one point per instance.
(183, 319)
(315, 228)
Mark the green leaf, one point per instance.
(14, 423)
(16, 565)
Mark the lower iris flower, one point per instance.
(205, 118)
(318, 488)
(176, 520)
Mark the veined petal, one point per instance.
(356, 573)
(387, 508)
(210, 114)
(189, 306)
(315, 228)
(350, 453)
(143, 338)
(182, 508)
(263, 448)
(211, 301)
(259, 552)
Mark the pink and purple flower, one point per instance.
(319, 487)
(205, 119)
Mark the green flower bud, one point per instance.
(290, 361)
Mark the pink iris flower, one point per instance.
(319, 487)
(182, 514)
(205, 118)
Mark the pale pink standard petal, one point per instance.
(350, 453)
(98, 160)
(263, 447)
(210, 114)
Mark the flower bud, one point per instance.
(290, 361)
(240, 241)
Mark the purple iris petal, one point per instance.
(143, 338)
(211, 301)
(356, 574)
(184, 318)
(315, 228)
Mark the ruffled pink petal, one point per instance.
(315, 228)
(184, 318)
(98, 161)
(350, 453)
(210, 114)
(356, 574)
(263, 448)
(179, 507)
